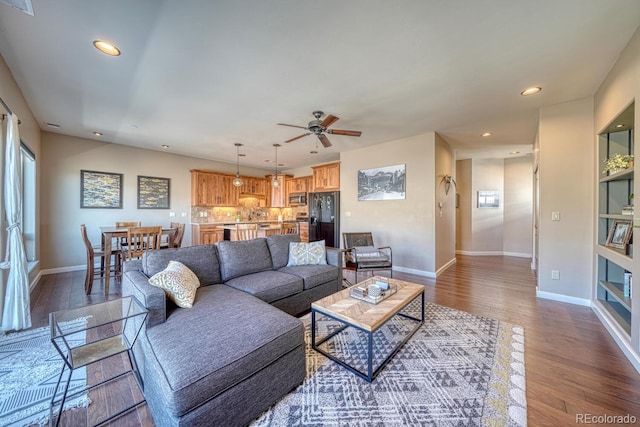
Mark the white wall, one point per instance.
(405, 225)
(567, 180)
(445, 218)
(505, 230)
(62, 159)
(518, 207)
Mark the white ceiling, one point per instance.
(201, 75)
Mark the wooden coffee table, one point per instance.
(368, 318)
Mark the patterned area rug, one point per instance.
(29, 370)
(457, 370)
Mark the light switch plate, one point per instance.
(555, 216)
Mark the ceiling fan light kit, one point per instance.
(321, 127)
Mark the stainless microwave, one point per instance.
(297, 199)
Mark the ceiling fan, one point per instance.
(319, 128)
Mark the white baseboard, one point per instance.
(33, 283)
(446, 266)
(63, 269)
(414, 271)
(618, 335)
(563, 298)
(493, 253)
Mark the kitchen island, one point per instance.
(212, 232)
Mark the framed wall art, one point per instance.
(385, 183)
(619, 234)
(101, 190)
(153, 192)
(488, 199)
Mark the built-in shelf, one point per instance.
(616, 256)
(616, 290)
(619, 176)
(616, 216)
(619, 314)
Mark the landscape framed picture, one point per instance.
(488, 199)
(102, 190)
(619, 234)
(153, 192)
(384, 183)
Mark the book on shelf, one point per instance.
(626, 284)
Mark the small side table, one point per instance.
(111, 328)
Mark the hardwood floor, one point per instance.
(573, 366)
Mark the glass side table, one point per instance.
(110, 328)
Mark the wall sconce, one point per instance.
(448, 179)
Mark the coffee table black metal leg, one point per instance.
(370, 357)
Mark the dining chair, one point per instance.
(93, 252)
(246, 231)
(142, 239)
(289, 228)
(178, 234)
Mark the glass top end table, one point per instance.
(91, 334)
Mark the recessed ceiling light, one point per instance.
(52, 125)
(165, 146)
(97, 133)
(106, 47)
(531, 91)
(620, 125)
(514, 152)
(486, 134)
(314, 152)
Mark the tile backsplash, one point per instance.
(202, 214)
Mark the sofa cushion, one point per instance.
(243, 257)
(307, 253)
(201, 259)
(279, 248)
(178, 282)
(226, 337)
(268, 285)
(313, 275)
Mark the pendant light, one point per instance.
(274, 181)
(237, 181)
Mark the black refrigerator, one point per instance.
(324, 218)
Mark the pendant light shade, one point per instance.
(274, 181)
(237, 181)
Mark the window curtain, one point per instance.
(16, 313)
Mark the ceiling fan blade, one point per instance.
(298, 137)
(344, 132)
(325, 141)
(329, 120)
(293, 126)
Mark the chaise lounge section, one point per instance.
(239, 348)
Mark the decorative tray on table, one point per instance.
(363, 292)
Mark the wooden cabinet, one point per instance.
(298, 185)
(206, 234)
(254, 186)
(278, 195)
(212, 189)
(326, 177)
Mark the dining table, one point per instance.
(110, 233)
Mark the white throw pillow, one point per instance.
(178, 282)
(303, 253)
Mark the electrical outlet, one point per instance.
(172, 214)
(183, 215)
(555, 275)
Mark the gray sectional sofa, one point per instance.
(239, 348)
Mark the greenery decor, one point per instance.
(618, 162)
